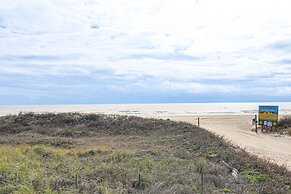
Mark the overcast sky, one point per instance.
(144, 51)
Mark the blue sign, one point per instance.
(268, 115)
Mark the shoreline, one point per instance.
(166, 109)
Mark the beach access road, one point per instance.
(238, 130)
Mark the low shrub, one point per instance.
(87, 153)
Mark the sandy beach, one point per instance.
(238, 130)
(230, 120)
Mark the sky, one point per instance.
(144, 51)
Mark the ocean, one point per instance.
(148, 110)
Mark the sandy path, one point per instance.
(237, 129)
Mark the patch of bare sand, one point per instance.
(238, 129)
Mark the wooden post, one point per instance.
(202, 181)
(76, 181)
(198, 122)
(139, 179)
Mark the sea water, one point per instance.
(167, 109)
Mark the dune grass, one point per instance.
(87, 153)
(285, 125)
(30, 169)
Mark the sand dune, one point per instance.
(231, 120)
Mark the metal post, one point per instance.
(256, 123)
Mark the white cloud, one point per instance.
(227, 40)
(198, 88)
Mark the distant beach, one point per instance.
(148, 110)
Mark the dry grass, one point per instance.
(285, 125)
(87, 153)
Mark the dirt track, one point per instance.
(238, 129)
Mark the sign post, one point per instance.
(256, 123)
(268, 116)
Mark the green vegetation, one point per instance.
(226, 190)
(285, 125)
(255, 175)
(87, 153)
